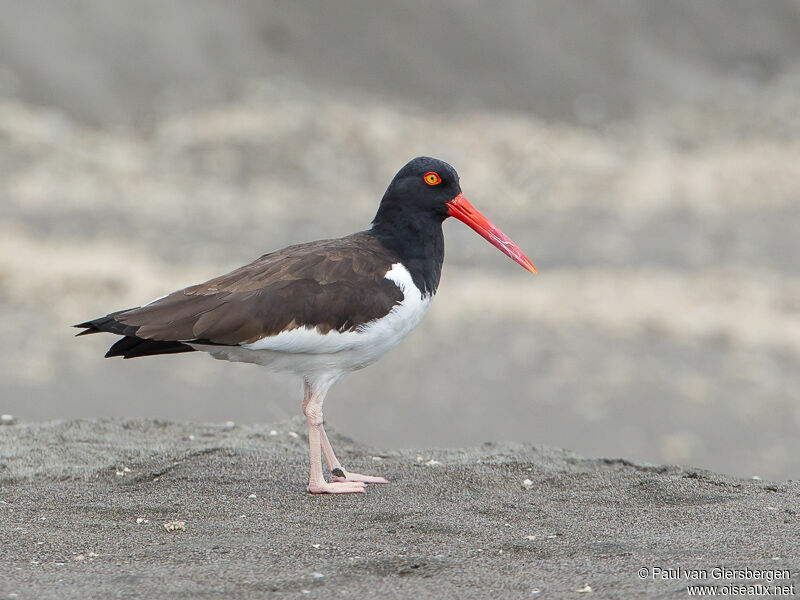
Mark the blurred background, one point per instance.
(645, 155)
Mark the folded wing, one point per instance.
(329, 285)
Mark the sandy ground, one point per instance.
(84, 504)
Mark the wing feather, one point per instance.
(328, 285)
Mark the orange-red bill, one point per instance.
(460, 208)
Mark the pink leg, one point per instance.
(339, 474)
(312, 408)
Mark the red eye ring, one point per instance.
(432, 178)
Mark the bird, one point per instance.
(320, 309)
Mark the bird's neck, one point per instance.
(418, 241)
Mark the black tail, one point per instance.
(108, 324)
(130, 346)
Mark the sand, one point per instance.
(84, 506)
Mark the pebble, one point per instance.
(527, 484)
(173, 526)
(293, 434)
(8, 420)
(585, 589)
(142, 520)
(252, 496)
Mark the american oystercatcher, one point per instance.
(320, 309)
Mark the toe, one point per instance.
(338, 487)
(361, 478)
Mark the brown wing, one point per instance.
(330, 285)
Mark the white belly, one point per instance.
(306, 351)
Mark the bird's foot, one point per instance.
(337, 487)
(340, 475)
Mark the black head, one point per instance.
(423, 194)
(422, 188)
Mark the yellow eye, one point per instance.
(432, 178)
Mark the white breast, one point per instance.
(305, 349)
